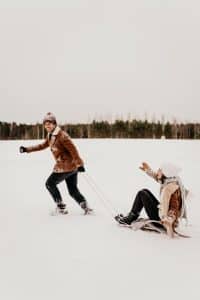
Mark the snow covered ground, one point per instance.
(89, 257)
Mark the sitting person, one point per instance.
(171, 206)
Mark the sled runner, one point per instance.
(150, 225)
(143, 224)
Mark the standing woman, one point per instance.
(68, 164)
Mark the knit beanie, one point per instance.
(50, 118)
(170, 170)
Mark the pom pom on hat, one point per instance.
(170, 170)
(49, 117)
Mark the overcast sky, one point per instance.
(86, 59)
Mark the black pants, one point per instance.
(145, 199)
(71, 182)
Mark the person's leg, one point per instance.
(72, 185)
(51, 185)
(74, 192)
(144, 199)
(150, 204)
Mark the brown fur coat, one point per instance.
(63, 149)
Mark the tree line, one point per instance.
(104, 129)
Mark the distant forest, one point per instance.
(104, 129)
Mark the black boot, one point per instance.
(127, 220)
(85, 207)
(61, 207)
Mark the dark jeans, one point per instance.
(71, 182)
(145, 199)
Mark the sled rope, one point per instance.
(103, 198)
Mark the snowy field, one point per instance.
(90, 257)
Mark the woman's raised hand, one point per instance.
(144, 166)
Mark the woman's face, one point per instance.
(49, 126)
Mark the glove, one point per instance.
(81, 169)
(144, 166)
(22, 149)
